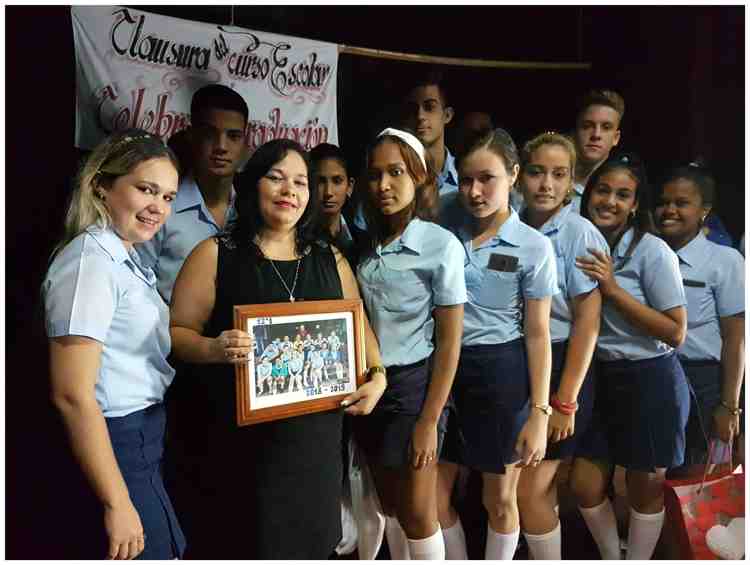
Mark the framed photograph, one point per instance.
(308, 356)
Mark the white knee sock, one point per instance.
(455, 542)
(428, 549)
(396, 538)
(545, 546)
(500, 547)
(602, 524)
(643, 533)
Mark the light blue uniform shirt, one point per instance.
(402, 282)
(714, 279)
(652, 276)
(572, 236)
(95, 288)
(494, 312)
(189, 224)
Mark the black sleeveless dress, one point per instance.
(269, 490)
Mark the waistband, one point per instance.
(636, 363)
(396, 369)
(493, 347)
(699, 363)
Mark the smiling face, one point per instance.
(680, 211)
(484, 183)
(140, 201)
(546, 179)
(283, 192)
(333, 186)
(218, 137)
(597, 132)
(613, 200)
(390, 186)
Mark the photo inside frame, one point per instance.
(301, 357)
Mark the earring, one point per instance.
(632, 214)
(100, 195)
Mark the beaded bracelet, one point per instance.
(566, 408)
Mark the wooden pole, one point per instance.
(414, 58)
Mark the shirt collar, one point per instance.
(115, 248)
(553, 224)
(624, 243)
(110, 242)
(507, 233)
(190, 196)
(412, 237)
(448, 175)
(694, 250)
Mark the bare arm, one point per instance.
(449, 328)
(193, 299)
(74, 365)
(532, 441)
(733, 370)
(669, 326)
(364, 399)
(581, 344)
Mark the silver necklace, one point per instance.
(294, 284)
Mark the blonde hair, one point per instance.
(114, 157)
(551, 138)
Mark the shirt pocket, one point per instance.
(404, 291)
(499, 290)
(697, 304)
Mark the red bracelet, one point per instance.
(566, 408)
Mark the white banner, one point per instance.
(136, 69)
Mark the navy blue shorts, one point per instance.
(138, 443)
(567, 447)
(640, 414)
(385, 434)
(491, 398)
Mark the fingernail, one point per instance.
(344, 403)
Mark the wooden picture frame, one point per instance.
(281, 391)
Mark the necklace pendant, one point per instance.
(291, 298)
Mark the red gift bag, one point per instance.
(694, 506)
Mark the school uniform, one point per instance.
(491, 389)
(714, 279)
(188, 225)
(571, 236)
(96, 288)
(401, 283)
(642, 397)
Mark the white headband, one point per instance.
(410, 140)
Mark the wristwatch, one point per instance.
(376, 369)
(545, 408)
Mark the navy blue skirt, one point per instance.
(491, 399)
(138, 443)
(640, 414)
(705, 380)
(385, 434)
(567, 447)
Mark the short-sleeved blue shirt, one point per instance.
(494, 312)
(651, 275)
(714, 279)
(402, 282)
(572, 236)
(95, 288)
(189, 224)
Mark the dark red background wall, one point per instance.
(680, 69)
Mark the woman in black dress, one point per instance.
(271, 490)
